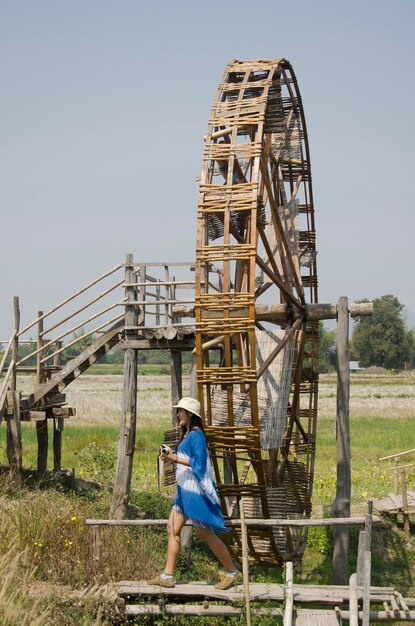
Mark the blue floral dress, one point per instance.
(196, 496)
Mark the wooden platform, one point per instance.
(393, 503)
(200, 598)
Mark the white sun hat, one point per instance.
(189, 404)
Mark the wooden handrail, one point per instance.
(77, 293)
(90, 332)
(85, 306)
(3, 391)
(328, 521)
(67, 332)
(393, 456)
(7, 350)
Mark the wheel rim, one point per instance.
(256, 244)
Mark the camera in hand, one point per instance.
(164, 449)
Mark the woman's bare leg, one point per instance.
(174, 527)
(218, 548)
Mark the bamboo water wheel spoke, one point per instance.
(256, 232)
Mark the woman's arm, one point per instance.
(172, 456)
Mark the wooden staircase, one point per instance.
(78, 365)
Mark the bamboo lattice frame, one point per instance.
(256, 232)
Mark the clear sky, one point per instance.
(104, 106)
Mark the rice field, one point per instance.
(382, 411)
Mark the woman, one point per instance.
(196, 499)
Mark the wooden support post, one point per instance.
(58, 426)
(176, 382)
(367, 565)
(14, 437)
(126, 441)
(42, 446)
(58, 422)
(289, 594)
(366, 588)
(406, 524)
(353, 601)
(396, 476)
(341, 505)
(360, 569)
(15, 346)
(96, 544)
(41, 425)
(245, 565)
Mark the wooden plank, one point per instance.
(366, 588)
(353, 602)
(258, 592)
(186, 344)
(182, 609)
(316, 617)
(341, 505)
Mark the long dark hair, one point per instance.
(195, 422)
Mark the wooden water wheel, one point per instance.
(257, 372)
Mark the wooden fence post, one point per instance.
(14, 437)
(406, 524)
(353, 601)
(341, 505)
(289, 594)
(126, 441)
(245, 564)
(96, 543)
(58, 422)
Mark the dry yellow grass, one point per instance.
(371, 396)
(97, 399)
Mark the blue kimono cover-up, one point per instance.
(196, 496)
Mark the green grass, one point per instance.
(47, 519)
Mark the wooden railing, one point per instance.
(399, 475)
(155, 295)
